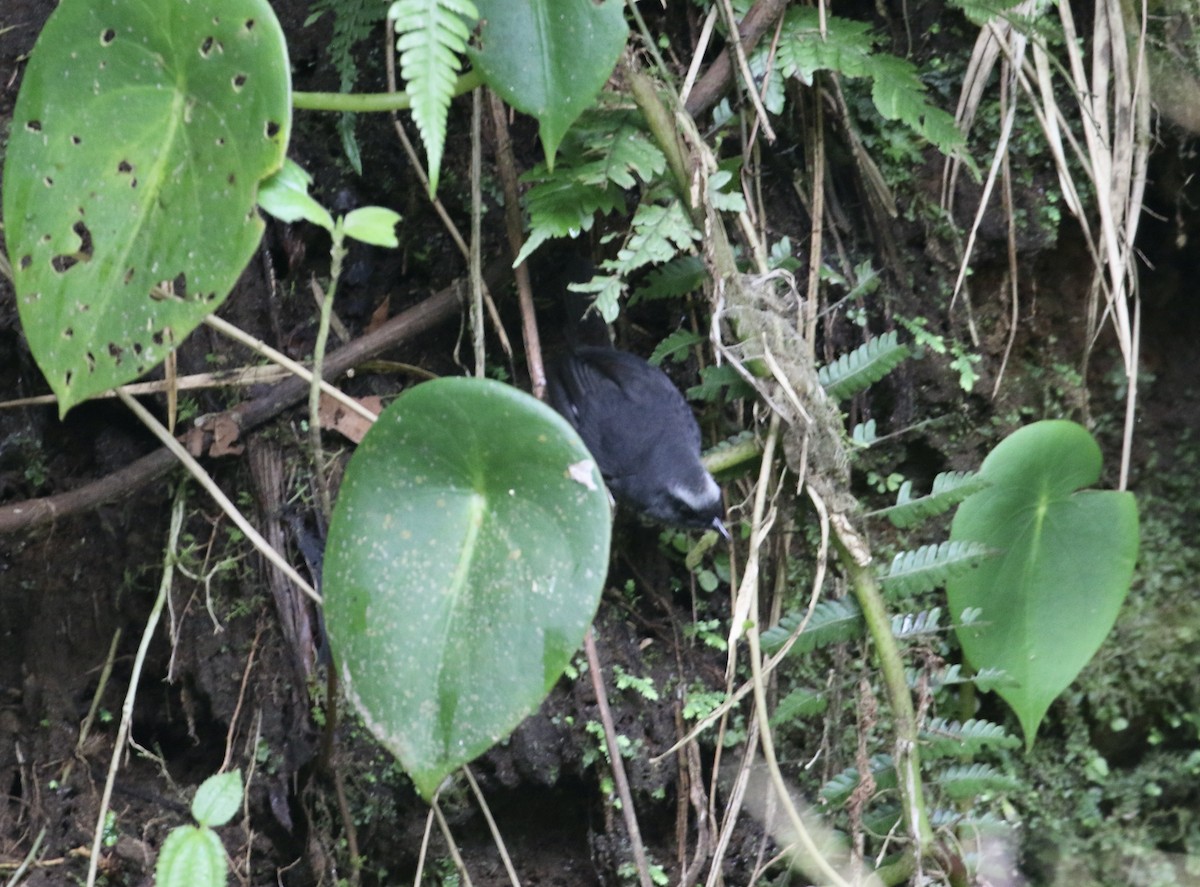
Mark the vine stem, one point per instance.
(857, 563)
(337, 255)
(373, 101)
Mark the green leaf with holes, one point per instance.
(549, 58)
(1052, 594)
(138, 141)
(466, 556)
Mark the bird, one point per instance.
(641, 432)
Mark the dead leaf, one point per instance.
(350, 425)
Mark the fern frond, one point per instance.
(676, 346)
(866, 364)
(563, 206)
(838, 789)
(985, 679)
(945, 739)
(678, 277)
(832, 622)
(932, 566)
(603, 154)
(949, 488)
(808, 44)
(910, 625)
(969, 781)
(863, 434)
(659, 232)
(802, 702)
(433, 36)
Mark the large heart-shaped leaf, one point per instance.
(138, 140)
(1067, 557)
(466, 556)
(549, 58)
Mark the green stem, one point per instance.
(337, 254)
(879, 624)
(365, 102)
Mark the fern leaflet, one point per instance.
(932, 566)
(866, 364)
(945, 739)
(910, 625)
(969, 781)
(949, 488)
(832, 622)
(433, 36)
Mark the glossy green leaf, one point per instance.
(284, 195)
(375, 225)
(466, 556)
(191, 857)
(218, 799)
(1066, 560)
(549, 58)
(138, 141)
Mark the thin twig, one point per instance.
(513, 230)
(618, 765)
(164, 588)
(492, 827)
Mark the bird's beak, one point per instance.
(719, 526)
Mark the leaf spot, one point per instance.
(239, 80)
(107, 37)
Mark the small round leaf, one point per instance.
(218, 799)
(466, 557)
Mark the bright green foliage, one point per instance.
(659, 232)
(550, 58)
(218, 799)
(849, 48)
(375, 225)
(862, 367)
(191, 857)
(604, 154)
(285, 196)
(1052, 595)
(141, 132)
(432, 37)
(466, 556)
(949, 488)
(931, 566)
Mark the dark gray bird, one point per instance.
(640, 431)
